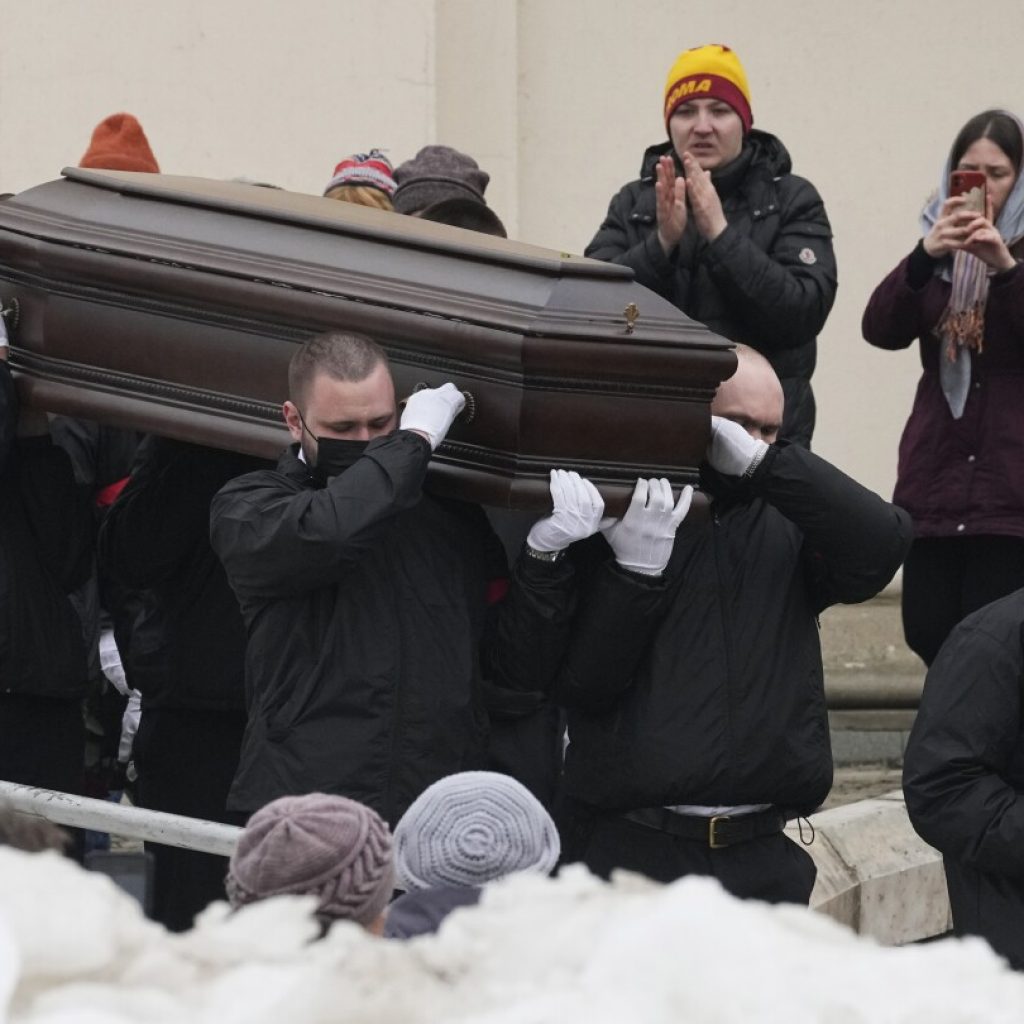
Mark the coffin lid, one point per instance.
(274, 204)
(402, 262)
(174, 304)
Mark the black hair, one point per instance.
(996, 125)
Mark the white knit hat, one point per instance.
(473, 828)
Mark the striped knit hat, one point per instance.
(372, 169)
(473, 828)
(315, 845)
(709, 72)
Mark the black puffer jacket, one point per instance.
(963, 772)
(102, 457)
(45, 553)
(186, 645)
(769, 280)
(705, 686)
(366, 606)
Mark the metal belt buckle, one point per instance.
(713, 840)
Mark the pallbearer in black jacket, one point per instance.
(182, 644)
(719, 226)
(963, 774)
(697, 719)
(45, 549)
(366, 598)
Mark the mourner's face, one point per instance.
(344, 409)
(985, 156)
(709, 130)
(752, 397)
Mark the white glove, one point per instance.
(578, 508)
(731, 450)
(129, 726)
(432, 411)
(3, 333)
(642, 539)
(110, 663)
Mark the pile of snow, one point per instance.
(74, 948)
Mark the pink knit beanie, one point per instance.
(315, 845)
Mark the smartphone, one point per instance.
(971, 185)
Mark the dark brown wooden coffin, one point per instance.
(173, 305)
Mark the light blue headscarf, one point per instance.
(969, 277)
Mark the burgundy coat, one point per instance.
(959, 477)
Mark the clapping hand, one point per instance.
(670, 203)
(705, 204)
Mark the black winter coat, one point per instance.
(102, 457)
(366, 606)
(186, 646)
(769, 280)
(963, 772)
(706, 686)
(45, 553)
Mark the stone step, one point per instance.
(867, 662)
(876, 736)
(873, 682)
(867, 638)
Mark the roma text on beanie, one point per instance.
(709, 72)
(119, 144)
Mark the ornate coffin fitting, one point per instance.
(173, 305)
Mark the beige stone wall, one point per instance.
(557, 99)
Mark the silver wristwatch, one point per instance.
(544, 556)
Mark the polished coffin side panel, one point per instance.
(181, 319)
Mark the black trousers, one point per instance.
(186, 760)
(772, 868)
(947, 578)
(42, 743)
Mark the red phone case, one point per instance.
(965, 183)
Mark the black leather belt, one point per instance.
(717, 831)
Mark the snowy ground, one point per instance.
(73, 948)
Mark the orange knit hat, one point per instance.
(712, 71)
(120, 144)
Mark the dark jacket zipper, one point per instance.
(726, 629)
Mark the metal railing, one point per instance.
(121, 819)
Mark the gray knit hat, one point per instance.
(436, 173)
(315, 845)
(472, 828)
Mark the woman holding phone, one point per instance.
(960, 295)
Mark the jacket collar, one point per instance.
(761, 151)
(293, 467)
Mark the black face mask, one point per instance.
(333, 455)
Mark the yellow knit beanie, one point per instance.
(711, 71)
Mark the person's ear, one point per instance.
(292, 420)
